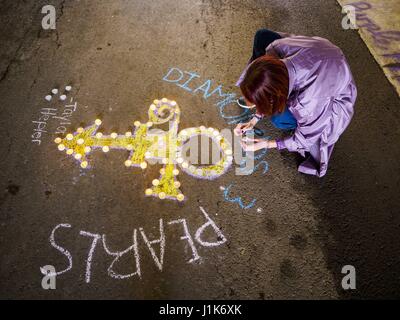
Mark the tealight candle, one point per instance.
(84, 164)
(143, 165)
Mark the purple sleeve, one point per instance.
(280, 144)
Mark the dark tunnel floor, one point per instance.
(292, 243)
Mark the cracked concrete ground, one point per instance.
(115, 54)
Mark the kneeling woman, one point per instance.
(304, 84)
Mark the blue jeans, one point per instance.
(284, 120)
(262, 39)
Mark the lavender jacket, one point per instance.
(321, 97)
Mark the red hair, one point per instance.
(266, 84)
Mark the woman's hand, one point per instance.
(253, 145)
(243, 127)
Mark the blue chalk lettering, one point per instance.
(238, 200)
(262, 153)
(238, 120)
(192, 76)
(206, 86)
(245, 115)
(229, 97)
(175, 75)
(169, 73)
(251, 171)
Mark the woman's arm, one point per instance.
(258, 144)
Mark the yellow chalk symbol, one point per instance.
(145, 146)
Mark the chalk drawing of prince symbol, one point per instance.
(147, 147)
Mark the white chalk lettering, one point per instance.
(150, 244)
(61, 249)
(96, 238)
(161, 241)
(187, 237)
(118, 255)
(210, 223)
(63, 117)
